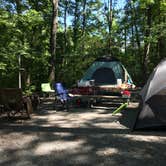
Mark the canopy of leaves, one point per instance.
(82, 36)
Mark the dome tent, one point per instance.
(152, 108)
(106, 71)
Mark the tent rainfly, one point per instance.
(152, 110)
(106, 70)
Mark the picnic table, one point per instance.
(99, 93)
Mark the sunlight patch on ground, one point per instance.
(92, 119)
(49, 147)
(107, 151)
(112, 125)
(145, 138)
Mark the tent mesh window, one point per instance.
(114, 67)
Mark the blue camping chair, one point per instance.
(62, 96)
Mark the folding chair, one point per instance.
(62, 96)
(46, 89)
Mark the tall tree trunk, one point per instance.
(83, 25)
(84, 16)
(134, 13)
(65, 25)
(18, 6)
(125, 38)
(53, 39)
(110, 25)
(75, 30)
(158, 46)
(147, 42)
(19, 11)
(132, 38)
(161, 40)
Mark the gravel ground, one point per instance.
(80, 137)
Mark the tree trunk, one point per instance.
(135, 25)
(65, 25)
(53, 39)
(28, 79)
(75, 30)
(161, 40)
(83, 25)
(110, 25)
(20, 79)
(132, 38)
(18, 6)
(84, 17)
(147, 43)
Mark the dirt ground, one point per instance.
(80, 137)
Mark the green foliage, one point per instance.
(82, 38)
(145, 3)
(29, 90)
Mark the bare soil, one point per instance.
(80, 136)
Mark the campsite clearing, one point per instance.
(80, 137)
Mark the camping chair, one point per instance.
(46, 89)
(62, 96)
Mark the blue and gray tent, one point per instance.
(106, 71)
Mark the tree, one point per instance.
(53, 39)
(60, 39)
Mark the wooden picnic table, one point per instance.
(97, 96)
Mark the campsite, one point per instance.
(88, 135)
(81, 137)
(82, 82)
